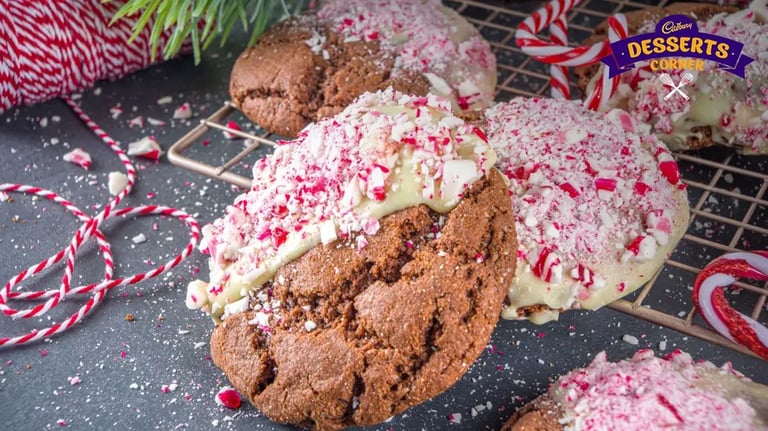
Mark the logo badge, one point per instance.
(676, 43)
(686, 79)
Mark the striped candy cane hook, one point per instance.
(713, 306)
(557, 53)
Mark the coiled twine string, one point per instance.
(53, 48)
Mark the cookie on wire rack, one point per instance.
(647, 393)
(598, 200)
(366, 268)
(312, 66)
(723, 108)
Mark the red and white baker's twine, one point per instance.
(90, 228)
(52, 48)
(713, 306)
(557, 53)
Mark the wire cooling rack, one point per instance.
(727, 191)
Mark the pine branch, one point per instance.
(202, 21)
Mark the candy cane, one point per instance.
(711, 303)
(606, 86)
(557, 54)
(559, 85)
(89, 228)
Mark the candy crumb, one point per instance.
(79, 157)
(454, 418)
(117, 182)
(630, 339)
(136, 121)
(138, 239)
(183, 112)
(228, 397)
(146, 147)
(232, 126)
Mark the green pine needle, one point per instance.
(202, 21)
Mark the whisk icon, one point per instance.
(667, 81)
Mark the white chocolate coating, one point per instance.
(650, 393)
(736, 109)
(384, 153)
(423, 36)
(599, 203)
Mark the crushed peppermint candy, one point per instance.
(646, 392)
(233, 127)
(630, 339)
(183, 112)
(146, 147)
(115, 111)
(591, 192)
(228, 397)
(79, 157)
(422, 36)
(454, 418)
(116, 182)
(735, 109)
(385, 152)
(136, 121)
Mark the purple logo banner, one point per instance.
(676, 36)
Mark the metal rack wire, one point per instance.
(727, 191)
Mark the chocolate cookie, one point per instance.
(363, 336)
(719, 107)
(637, 20)
(365, 269)
(598, 200)
(313, 66)
(646, 392)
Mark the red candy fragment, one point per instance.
(146, 147)
(228, 398)
(670, 171)
(79, 157)
(232, 126)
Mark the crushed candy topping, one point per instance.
(650, 393)
(146, 147)
(424, 37)
(228, 397)
(589, 190)
(735, 108)
(79, 157)
(384, 153)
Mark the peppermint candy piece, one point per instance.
(146, 147)
(228, 397)
(712, 305)
(79, 157)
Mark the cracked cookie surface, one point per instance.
(367, 334)
(314, 65)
